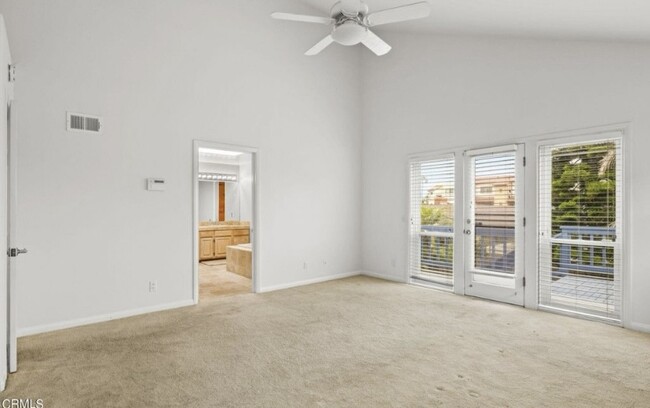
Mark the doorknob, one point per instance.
(468, 232)
(13, 252)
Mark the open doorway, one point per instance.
(224, 220)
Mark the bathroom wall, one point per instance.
(232, 201)
(235, 192)
(208, 201)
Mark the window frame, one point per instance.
(531, 234)
(620, 133)
(446, 155)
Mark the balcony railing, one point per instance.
(590, 254)
(494, 250)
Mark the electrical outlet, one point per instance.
(393, 263)
(153, 286)
(304, 265)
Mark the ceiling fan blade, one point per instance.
(322, 44)
(302, 18)
(376, 44)
(402, 13)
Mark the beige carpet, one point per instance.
(215, 280)
(357, 342)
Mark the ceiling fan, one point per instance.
(351, 21)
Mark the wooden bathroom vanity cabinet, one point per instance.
(214, 238)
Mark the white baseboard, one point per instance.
(309, 281)
(639, 327)
(383, 276)
(28, 331)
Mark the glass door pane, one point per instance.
(494, 212)
(431, 252)
(493, 222)
(580, 239)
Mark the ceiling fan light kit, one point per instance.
(351, 21)
(349, 33)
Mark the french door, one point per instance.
(493, 223)
(431, 236)
(580, 243)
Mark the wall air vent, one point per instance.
(79, 122)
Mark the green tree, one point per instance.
(584, 186)
(435, 215)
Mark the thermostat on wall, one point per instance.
(155, 184)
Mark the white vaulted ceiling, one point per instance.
(627, 20)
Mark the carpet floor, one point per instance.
(357, 342)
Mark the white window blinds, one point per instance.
(492, 210)
(431, 244)
(580, 227)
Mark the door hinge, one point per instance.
(12, 73)
(524, 221)
(524, 281)
(524, 161)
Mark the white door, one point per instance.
(581, 247)
(4, 135)
(8, 343)
(12, 250)
(493, 223)
(431, 236)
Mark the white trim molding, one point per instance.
(309, 281)
(638, 327)
(382, 276)
(255, 221)
(29, 331)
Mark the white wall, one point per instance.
(208, 201)
(433, 93)
(209, 167)
(246, 187)
(162, 73)
(231, 207)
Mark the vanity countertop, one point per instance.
(221, 227)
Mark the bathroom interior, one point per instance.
(225, 193)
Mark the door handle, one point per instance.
(13, 252)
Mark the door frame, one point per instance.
(7, 286)
(530, 212)
(12, 233)
(254, 234)
(603, 133)
(458, 212)
(486, 291)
